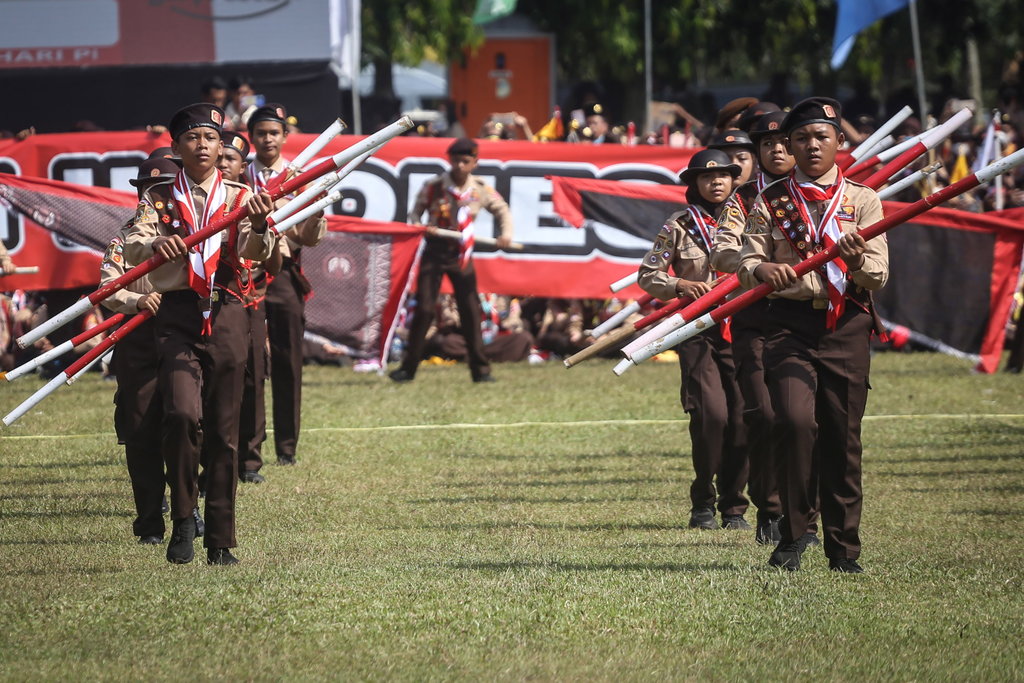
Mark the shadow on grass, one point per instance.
(946, 473)
(60, 482)
(90, 571)
(63, 541)
(64, 465)
(1015, 489)
(519, 565)
(540, 483)
(62, 496)
(503, 500)
(961, 458)
(30, 514)
(990, 513)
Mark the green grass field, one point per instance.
(530, 529)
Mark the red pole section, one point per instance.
(814, 262)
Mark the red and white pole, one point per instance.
(61, 349)
(319, 170)
(814, 262)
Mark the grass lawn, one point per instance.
(542, 535)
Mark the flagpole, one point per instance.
(915, 33)
(648, 68)
(355, 21)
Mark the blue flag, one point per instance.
(853, 17)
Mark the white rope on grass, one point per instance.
(568, 423)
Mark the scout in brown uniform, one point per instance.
(816, 353)
(287, 292)
(452, 200)
(748, 326)
(741, 150)
(709, 392)
(253, 417)
(201, 330)
(137, 412)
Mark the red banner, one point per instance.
(558, 259)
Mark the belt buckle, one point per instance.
(819, 304)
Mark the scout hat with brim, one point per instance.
(154, 169)
(708, 161)
(734, 137)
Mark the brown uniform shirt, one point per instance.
(147, 227)
(731, 222)
(308, 233)
(674, 249)
(765, 243)
(125, 300)
(435, 199)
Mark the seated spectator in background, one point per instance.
(562, 328)
(505, 340)
(20, 311)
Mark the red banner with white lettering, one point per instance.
(558, 259)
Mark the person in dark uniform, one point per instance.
(709, 392)
(452, 201)
(748, 326)
(598, 131)
(201, 330)
(816, 345)
(138, 409)
(253, 415)
(288, 290)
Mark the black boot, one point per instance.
(221, 556)
(180, 550)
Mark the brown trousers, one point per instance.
(137, 418)
(200, 378)
(711, 398)
(253, 416)
(819, 384)
(748, 331)
(432, 268)
(286, 324)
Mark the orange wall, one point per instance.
(523, 83)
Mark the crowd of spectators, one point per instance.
(538, 329)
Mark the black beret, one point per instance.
(196, 115)
(733, 137)
(235, 141)
(750, 114)
(463, 146)
(767, 124)
(154, 169)
(813, 110)
(708, 161)
(268, 112)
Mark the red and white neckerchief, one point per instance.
(259, 182)
(763, 181)
(203, 257)
(707, 227)
(825, 232)
(706, 231)
(464, 222)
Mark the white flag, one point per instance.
(346, 41)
